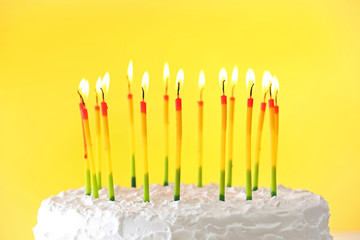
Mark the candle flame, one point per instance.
(266, 80)
(250, 78)
(275, 86)
(166, 76)
(105, 83)
(201, 80)
(234, 76)
(179, 80)
(84, 89)
(130, 72)
(98, 86)
(222, 79)
(145, 82)
(166, 73)
(234, 79)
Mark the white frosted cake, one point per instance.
(293, 214)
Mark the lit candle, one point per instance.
(250, 82)
(179, 83)
(223, 79)
(84, 93)
(272, 141)
(129, 77)
(98, 132)
(275, 87)
(265, 88)
(234, 79)
(87, 164)
(275, 84)
(144, 88)
(200, 117)
(166, 124)
(104, 89)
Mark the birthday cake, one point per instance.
(292, 214)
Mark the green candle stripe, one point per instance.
(133, 172)
(200, 177)
(273, 181)
(229, 178)
(166, 171)
(98, 176)
(177, 185)
(248, 185)
(146, 188)
(94, 183)
(87, 182)
(111, 187)
(222, 186)
(256, 177)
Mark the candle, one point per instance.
(272, 142)
(234, 79)
(98, 132)
(144, 88)
(250, 82)
(129, 77)
(275, 88)
(84, 93)
(276, 110)
(265, 88)
(200, 118)
(223, 79)
(179, 83)
(87, 164)
(166, 125)
(104, 89)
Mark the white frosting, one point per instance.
(293, 214)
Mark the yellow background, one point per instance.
(46, 47)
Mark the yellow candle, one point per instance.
(265, 87)
(84, 92)
(223, 79)
(274, 121)
(98, 133)
(129, 77)
(104, 107)
(272, 143)
(179, 83)
(166, 125)
(144, 87)
(234, 79)
(200, 124)
(87, 164)
(250, 82)
(275, 85)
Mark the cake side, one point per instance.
(293, 214)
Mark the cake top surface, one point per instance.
(192, 199)
(292, 214)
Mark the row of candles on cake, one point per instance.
(270, 86)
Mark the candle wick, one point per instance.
(223, 87)
(270, 90)
(97, 98)
(103, 94)
(232, 90)
(166, 86)
(81, 98)
(143, 93)
(251, 89)
(276, 98)
(129, 88)
(201, 93)
(178, 89)
(265, 95)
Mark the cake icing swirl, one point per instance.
(293, 214)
